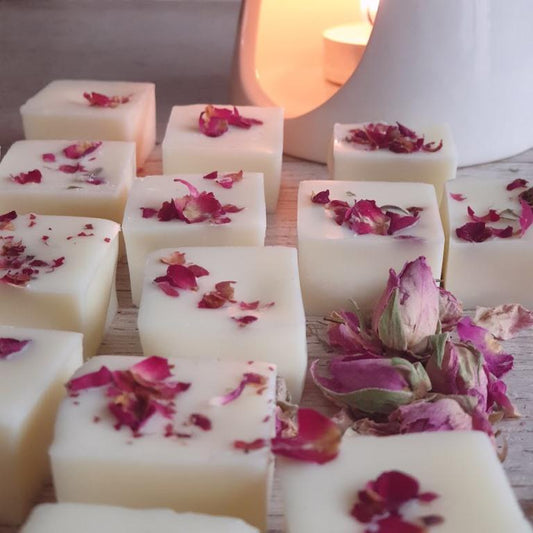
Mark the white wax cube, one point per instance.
(95, 184)
(32, 375)
(338, 265)
(59, 273)
(351, 161)
(61, 111)
(87, 518)
(185, 458)
(266, 277)
(497, 270)
(144, 235)
(257, 149)
(461, 468)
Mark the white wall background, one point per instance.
(184, 46)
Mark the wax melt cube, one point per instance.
(64, 178)
(87, 518)
(366, 162)
(181, 450)
(257, 148)
(245, 304)
(88, 109)
(490, 248)
(351, 260)
(34, 365)
(58, 272)
(462, 485)
(189, 210)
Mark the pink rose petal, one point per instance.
(101, 100)
(457, 196)
(33, 176)
(48, 158)
(81, 149)
(249, 378)
(518, 183)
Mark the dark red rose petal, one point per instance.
(101, 100)
(244, 321)
(81, 149)
(48, 158)
(9, 346)
(246, 447)
(33, 176)
(458, 197)
(148, 212)
(321, 197)
(518, 183)
(203, 422)
(474, 232)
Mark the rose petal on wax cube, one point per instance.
(171, 460)
(257, 148)
(96, 186)
(459, 476)
(366, 162)
(340, 262)
(58, 272)
(61, 111)
(248, 307)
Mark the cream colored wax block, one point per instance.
(58, 273)
(497, 270)
(144, 235)
(350, 161)
(257, 149)
(266, 277)
(95, 184)
(171, 462)
(60, 111)
(338, 265)
(460, 467)
(86, 518)
(31, 384)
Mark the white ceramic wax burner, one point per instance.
(441, 61)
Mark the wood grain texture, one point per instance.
(122, 338)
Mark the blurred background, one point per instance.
(184, 46)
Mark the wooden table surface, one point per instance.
(122, 338)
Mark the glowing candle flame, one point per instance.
(369, 9)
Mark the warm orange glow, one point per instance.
(369, 9)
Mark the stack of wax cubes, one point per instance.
(184, 436)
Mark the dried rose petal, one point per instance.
(396, 138)
(227, 180)
(457, 196)
(201, 421)
(48, 158)
(9, 346)
(148, 212)
(474, 232)
(317, 440)
(223, 293)
(214, 121)
(244, 321)
(6, 220)
(504, 321)
(526, 217)
(101, 100)
(72, 169)
(33, 176)
(518, 183)
(175, 258)
(491, 216)
(321, 197)
(81, 149)
(101, 377)
(249, 378)
(247, 447)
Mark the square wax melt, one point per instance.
(258, 315)
(64, 178)
(87, 518)
(338, 264)
(353, 161)
(255, 149)
(34, 365)
(185, 449)
(88, 109)
(460, 468)
(483, 268)
(234, 217)
(58, 272)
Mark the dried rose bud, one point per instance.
(407, 313)
(372, 384)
